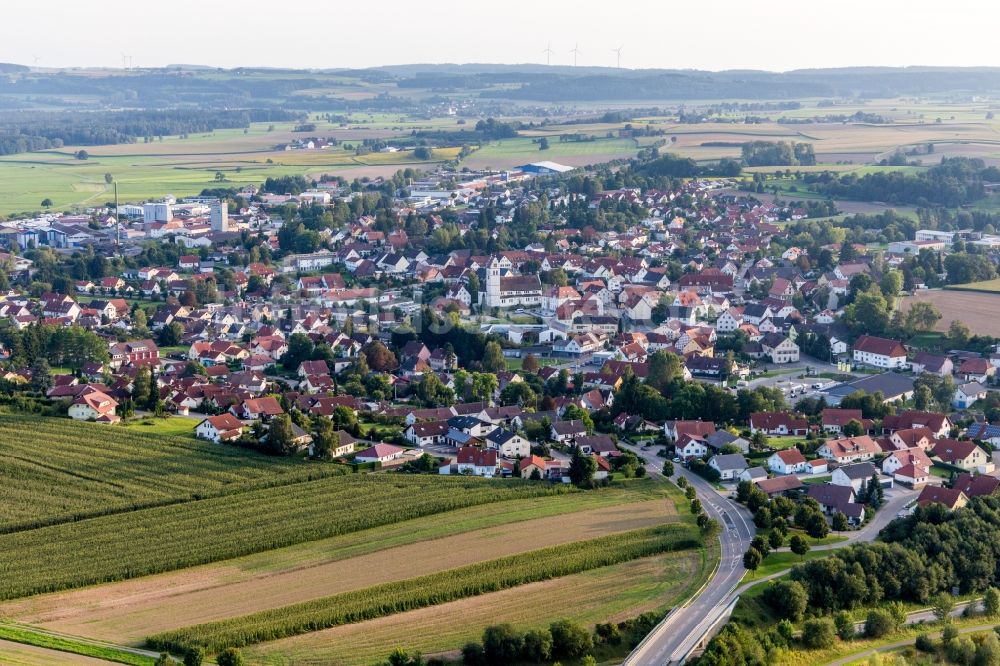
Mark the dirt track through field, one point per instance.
(129, 611)
(610, 594)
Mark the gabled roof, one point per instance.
(857, 471)
(470, 455)
(852, 445)
(532, 460)
(950, 450)
(569, 427)
(940, 495)
(880, 346)
(828, 494)
(976, 486)
(733, 461)
(779, 484)
(380, 451)
(500, 436)
(597, 443)
(790, 456)
(430, 428)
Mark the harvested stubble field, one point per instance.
(613, 593)
(126, 612)
(979, 310)
(138, 543)
(129, 470)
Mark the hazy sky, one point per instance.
(705, 34)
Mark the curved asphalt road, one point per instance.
(677, 635)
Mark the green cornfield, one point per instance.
(56, 470)
(430, 590)
(138, 543)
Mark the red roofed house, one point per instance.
(311, 368)
(381, 453)
(850, 449)
(532, 464)
(221, 428)
(908, 466)
(834, 420)
(980, 485)
(938, 423)
(907, 438)
(778, 423)
(963, 454)
(136, 352)
(674, 429)
(94, 405)
(951, 498)
(258, 408)
(475, 462)
(879, 352)
(787, 461)
(779, 485)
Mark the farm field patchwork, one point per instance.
(613, 593)
(123, 546)
(182, 168)
(128, 611)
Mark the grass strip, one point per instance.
(63, 644)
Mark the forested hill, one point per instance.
(690, 85)
(22, 131)
(261, 87)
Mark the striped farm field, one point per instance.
(138, 543)
(56, 470)
(127, 611)
(430, 590)
(614, 593)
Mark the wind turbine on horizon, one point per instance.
(548, 54)
(619, 52)
(575, 51)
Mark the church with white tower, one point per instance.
(511, 290)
